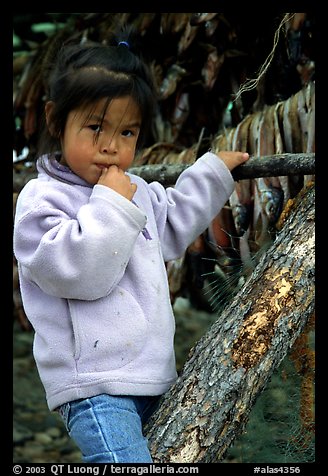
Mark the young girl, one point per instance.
(91, 242)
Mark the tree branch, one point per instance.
(208, 407)
(266, 166)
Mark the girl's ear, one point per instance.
(48, 111)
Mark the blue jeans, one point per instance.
(108, 429)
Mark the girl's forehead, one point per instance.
(107, 105)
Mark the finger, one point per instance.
(245, 156)
(113, 166)
(104, 171)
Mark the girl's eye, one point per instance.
(95, 127)
(127, 133)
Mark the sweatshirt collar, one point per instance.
(49, 165)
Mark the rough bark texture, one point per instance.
(225, 372)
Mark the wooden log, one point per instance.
(208, 407)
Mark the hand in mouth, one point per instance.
(102, 166)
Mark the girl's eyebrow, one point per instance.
(100, 119)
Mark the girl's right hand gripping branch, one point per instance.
(232, 159)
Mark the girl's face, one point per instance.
(116, 142)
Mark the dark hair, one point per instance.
(85, 73)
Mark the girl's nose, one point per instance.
(109, 146)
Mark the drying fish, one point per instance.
(212, 68)
(180, 114)
(279, 148)
(143, 22)
(198, 18)
(187, 37)
(172, 23)
(155, 153)
(310, 147)
(169, 84)
(241, 198)
(210, 26)
(241, 134)
(291, 125)
(253, 137)
(221, 230)
(271, 199)
(241, 203)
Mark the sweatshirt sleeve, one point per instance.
(185, 211)
(80, 257)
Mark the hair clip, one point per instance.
(124, 43)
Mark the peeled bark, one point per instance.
(208, 407)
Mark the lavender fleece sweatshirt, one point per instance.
(93, 277)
